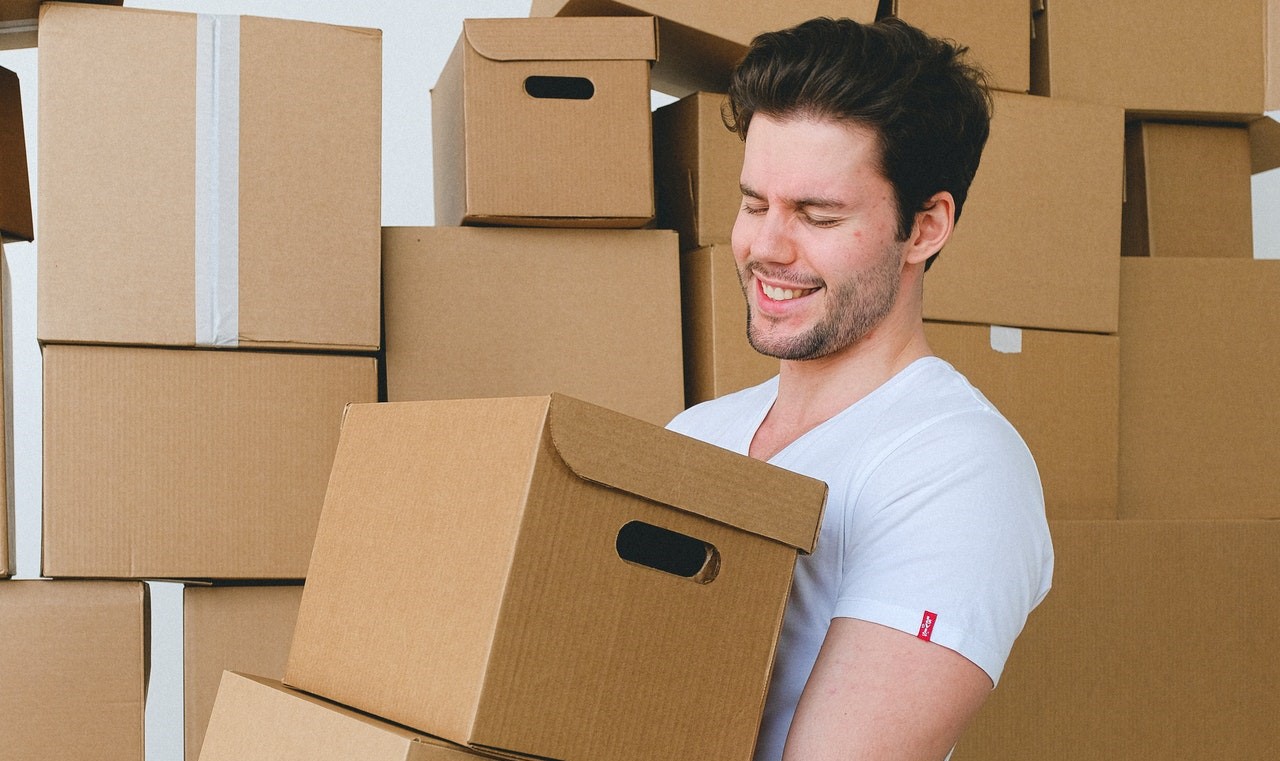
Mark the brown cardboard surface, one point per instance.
(503, 157)
(119, 219)
(15, 185)
(1264, 144)
(239, 628)
(257, 719)
(718, 357)
(1199, 357)
(19, 21)
(700, 42)
(998, 34)
(474, 312)
(696, 162)
(74, 660)
(1061, 391)
(1168, 60)
(1038, 240)
(467, 582)
(186, 463)
(1153, 643)
(1187, 190)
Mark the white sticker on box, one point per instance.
(1006, 340)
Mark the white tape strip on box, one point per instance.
(1006, 340)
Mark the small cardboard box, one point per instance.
(718, 357)
(997, 33)
(1061, 391)
(1171, 60)
(599, 319)
(1187, 190)
(208, 180)
(15, 185)
(257, 719)
(73, 669)
(545, 122)
(1038, 240)
(19, 21)
(189, 463)
(697, 163)
(701, 42)
(1199, 358)
(238, 628)
(548, 578)
(1154, 643)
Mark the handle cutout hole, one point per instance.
(560, 88)
(668, 551)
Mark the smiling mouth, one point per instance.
(785, 294)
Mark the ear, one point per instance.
(933, 227)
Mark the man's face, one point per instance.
(815, 238)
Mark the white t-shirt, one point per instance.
(934, 522)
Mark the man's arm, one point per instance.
(879, 694)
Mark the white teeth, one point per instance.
(784, 294)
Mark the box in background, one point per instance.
(1187, 190)
(1060, 391)
(545, 122)
(15, 184)
(997, 33)
(1154, 643)
(231, 628)
(474, 312)
(1199, 358)
(74, 658)
(189, 463)
(1038, 240)
(697, 163)
(550, 578)
(208, 180)
(257, 719)
(19, 21)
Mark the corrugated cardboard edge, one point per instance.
(623, 38)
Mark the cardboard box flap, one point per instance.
(620, 452)
(1264, 144)
(563, 39)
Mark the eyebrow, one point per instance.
(807, 202)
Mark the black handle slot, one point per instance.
(560, 88)
(668, 551)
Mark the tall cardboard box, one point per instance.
(1061, 391)
(188, 463)
(1037, 244)
(697, 163)
(997, 33)
(701, 42)
(474, 312)
(208, 180)
(15, 186)
(237, 628)
(73, 669)
(548, 578)
(545, 122)
(1199, 358)
(1154, 643)
(19, 21)
(1187, 190)
(257, 719)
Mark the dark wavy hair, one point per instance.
(928, 105)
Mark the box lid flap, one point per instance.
(621, 452)
(623, 38)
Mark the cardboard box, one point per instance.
(1171, 60)
(598, 319)
(187, 463)
(998, 34)
(15, 185)
(74, 661)
(1038, 240)
(19, 21)
(1061, 391)
(196, 191)
(257, 719)
(549, 578)
(1187, 190)
(545, 122)
(240, 628)
(1199, 358)
(718, 357)
(701, 42)
(1154, 643)
(697, 163)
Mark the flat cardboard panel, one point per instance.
(187, 463)
(237, 628)
(1037, 244)
(1199, 356)
(1061, 391)
(118, 163)
(15, 186)
(998, 34)
(696, 162)
(74, 662)
(590, 313)
(1153, 643)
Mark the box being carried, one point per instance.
(541, 577)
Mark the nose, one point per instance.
(763, 237)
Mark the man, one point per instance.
(861, 143)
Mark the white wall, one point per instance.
(418, 36)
